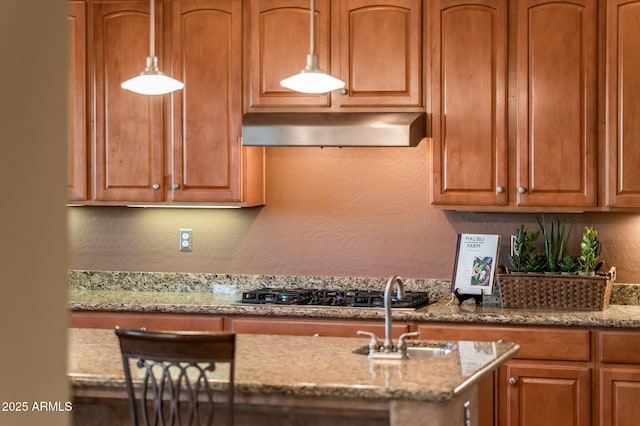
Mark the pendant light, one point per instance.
(312, 79)
(152, 81)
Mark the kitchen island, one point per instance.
(314, 380)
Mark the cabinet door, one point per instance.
(157, 322)
(620, 393)
(279, 42)
(380, 52)
(207, 56)
(129, 143)
(623, 106)
(468, 102)
(77, 148)
(545, 395)
(556, 95)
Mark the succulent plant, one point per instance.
(569, 264)
(589, 250)
(523, 248)
(555, 240)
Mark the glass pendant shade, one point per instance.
(312, 79)
(152, 81)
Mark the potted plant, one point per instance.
(569, 265)
(589, 251)
(555, 238)
(536, 262)
(523, 249)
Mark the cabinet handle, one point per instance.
(522, 190)
(316, 335)
(155, 186)
(500, 189)
(467, 413)
(513, 381)
(175, 186)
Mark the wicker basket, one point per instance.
(556, 291)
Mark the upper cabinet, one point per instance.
(208, 160)
(77, 143)
(468, 102)
(128, 149)
(556, 51)
(622, 128)
(374, 46)
(180, 148)
(537, 150)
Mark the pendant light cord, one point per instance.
(312, 42)
(152, 25)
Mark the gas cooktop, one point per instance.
(330, 297)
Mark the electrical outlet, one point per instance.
(185, 240)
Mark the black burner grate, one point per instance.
(332, 297)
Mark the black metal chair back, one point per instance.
(174, 382)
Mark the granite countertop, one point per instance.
(219, 294)
(226, 303)
(321, 367)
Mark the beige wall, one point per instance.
(33, 254)
(342, 212)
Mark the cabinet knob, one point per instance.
(175, 186)
(344, 91)
(522, 190)
(513, 381)
(500, 189)
(316, 335)
(155, 186)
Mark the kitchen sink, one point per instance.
(420, 349)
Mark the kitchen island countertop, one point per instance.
(308, 371)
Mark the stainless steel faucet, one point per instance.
(388, 342)
(387, 349)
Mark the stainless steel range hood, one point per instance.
(363, 129)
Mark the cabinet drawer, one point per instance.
(535, 342)
(166, 322)
(295, 327)
(619, 346)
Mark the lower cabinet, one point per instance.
(311, 327)
(618, 355)
(556, 394)
(547, 383)
(148, 321)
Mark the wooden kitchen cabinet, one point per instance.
(469, 163)
(148, 321)
(619, 376)
(619, 396)
(209, 162)
(546, 395)
(182, 148)
(549, 159)
(373, 46)
(77, 143)
(556, 51)
(552, 368)
(128, 148)
(622, 127)
(311, 327)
